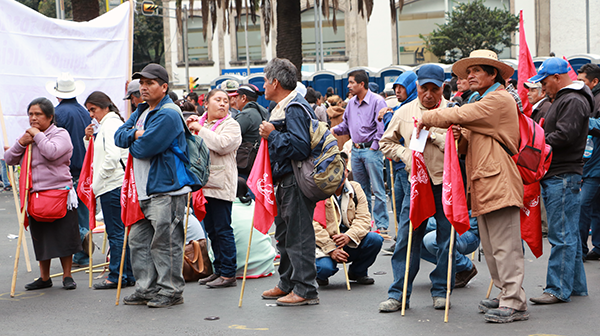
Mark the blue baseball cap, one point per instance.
(431, 73)
(551, 66)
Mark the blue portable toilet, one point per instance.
(258, 79)
(223, 78)
(537, 61)
(515, 65)
(323, 79)
(389, 74)
(577, 61)
(370, 71)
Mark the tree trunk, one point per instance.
(289, 33)
(85, 10)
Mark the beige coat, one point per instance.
(355, 216)
(401, 126)
(223, 144)
(493, 179)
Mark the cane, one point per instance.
(487, 296)
(21, 226)
(337, 226)
(393, 198)
(449, 279)
(187, 218)
(246, 263)
(409, 246)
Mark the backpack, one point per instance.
(535, 155)
(323, 171)
(198, 157)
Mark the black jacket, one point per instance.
(541, 110)
(566, 128)
(250, 118)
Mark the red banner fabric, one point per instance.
(572, 73)
(454, 200)
(531, 219)
(199, 202)
(526, 68)
(422, 204)
(131, 212)
(260, 182)
(319, 214)
(84, 187)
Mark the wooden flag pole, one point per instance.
(90, 251)
(449, 279)
(185, 227)
(404, 288)
(21, 228)
(120, 282)
(11, 178)
(104, 240)
(487, 296)
(393, 198)
(337, 227)
(246, 263)
(130, 50)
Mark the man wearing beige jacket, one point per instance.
(429, 91)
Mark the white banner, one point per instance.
(35, 49)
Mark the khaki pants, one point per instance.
(500, 233)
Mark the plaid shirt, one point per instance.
(511, 89)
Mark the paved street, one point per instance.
(85, 311)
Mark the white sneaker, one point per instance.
(390, 305)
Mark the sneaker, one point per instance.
(592, 255)
(390, 305)
(363, 280)
(463, 278)
(389, 250)
(39, 284)
(440, 303)
(505, 315)
(135, 299)
(208, 279)
(487, 304)
(162, 301)
(69, 283)
(322, 282)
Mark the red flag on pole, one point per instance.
(454, 200)
(199, 204)
(131, 212)
(572, 73)
(526, 68)
(531, 219)
(319, 214)
(422, 204)
(25, 174)
(84, 188)
(260, 182)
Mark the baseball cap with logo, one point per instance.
(431, 73)
(551, 66)
(231, 87)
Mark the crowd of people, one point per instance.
(373, 132)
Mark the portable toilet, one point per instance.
(258, 79)
(538, 61)
(514, 64)
(370, 71)
(323, 79)
(389, 74)
(577, 61)
(223, 78)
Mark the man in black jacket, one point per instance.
(589, 74)
(566, 130)
(288, 134)
(538, 100)
(251, 113)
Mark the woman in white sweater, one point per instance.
(223, 136)
(109, 170)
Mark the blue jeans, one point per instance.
(402, 191)
(590, 214)
(465, 244)
(439, 275)
(367, 169)
(115, 230)
(4, 174)
(566, 275)
(361, 257)
(83, 216)
(156, 244)
(218, 226)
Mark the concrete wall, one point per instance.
(379, 36)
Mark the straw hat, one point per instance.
(65, 87)
(482, 57)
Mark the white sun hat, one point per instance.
(65, 86)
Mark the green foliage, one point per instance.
(471, 26)
(148, 40)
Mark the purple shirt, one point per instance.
(360, 120)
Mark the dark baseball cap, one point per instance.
(152, 71)
(431, 73)
(249, 90)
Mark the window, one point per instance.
(254, 39)
(334, 44)
(419, 17)
(197, 46)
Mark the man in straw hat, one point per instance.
(566, 130)
(495, 185)
(73, 117)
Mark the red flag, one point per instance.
(260, 182)
(572, 73)
(25, 174)
(526, 68)
(199, 204)
(531, 219)
(453, 193)
(84, 188)
(422, 204)
(319, 214)
(131, 212)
